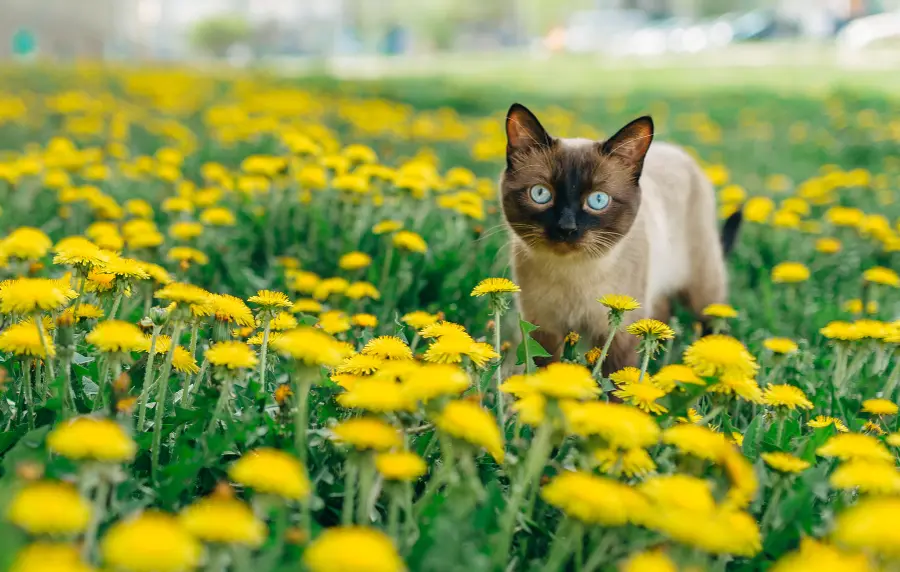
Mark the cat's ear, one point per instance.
(523, 130)
(632, 142)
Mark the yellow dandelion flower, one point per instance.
(360, 290)
(842, 331)
(25, 339)
(626, 375)
(82, 312)
(744, 387)
(720, 311)
(882, 275)
(86, 438)
(49, 557)
(367, 433)
(187, 255)
(828, 245)
(270, 471)
(786, 396)
(450, 348)
(309, 346)
(469, 422)
(785, 462)
(651, 329)
(564, 381)
(619, 425)
(432, 381)
(631, 462)
(824, 421)
(815, 556)
(223, 519)
(78, 251)
(872, 427)
(495, 286)
(718, 355)
(870, 525)
(592, 355)
(780, 345)
(49, 507)
(643, 396)
(28, 295)
(360, 364)
(854, 446)
(408, 240)
(789, 273)
(354, 261)
(379, 396)
(218, 216)
(329, 286)
(282, 321)
(126, 545)
(182, 360)
(670, 375)
(232, 355)
(346, 548)
(116, 336)
(440, 329)
(387, 227)
(306, 306)
(696, 440)
(186, 294)
(879, 407)
(418, 319)
(27, 243)
(387, 347)
(334, 322)
(594, 500)
(893, 439)
(872, 477)
(269, 299)
(157, 273)
(400, 466)
(619, 302)
(185, 230)
(650, 561)
(231, 310)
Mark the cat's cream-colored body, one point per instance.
(672, 250)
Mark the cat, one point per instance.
(589, 218)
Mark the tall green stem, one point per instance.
(195, 328)
(101, 383)
(531, 471)
(498, 377)
(48, 358)
(263, 353)
(568, 534)
(302, 384)
(598, 367)
(115, 307)
(645, 364)
(29, 399)
(367, 475)
(101, 497)
(160, 411)
(351, 471)
(148, 378)
(221, 405)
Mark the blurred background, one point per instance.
(376, 36)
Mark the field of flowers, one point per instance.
(252, 324)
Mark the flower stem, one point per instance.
(115, 307)
(351, 472)
(501, 415)
(101, 496)
(645, 364)
(195, 327)
(201, 375)
(221, 405)
(159, 414)
(302, 385)
(531, 471)
(568, 534)
(29, 399)
(48, 359)
(101, 383)
(263, 352)
(366, 484)
(148, 378)
(598, 367)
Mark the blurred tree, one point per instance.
(217, 34)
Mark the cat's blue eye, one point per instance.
(597, 201)
(540, 194)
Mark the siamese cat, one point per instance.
(622, 216)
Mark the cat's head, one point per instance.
(571, 195)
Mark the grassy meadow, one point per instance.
(247, 322)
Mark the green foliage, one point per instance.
(217, 34)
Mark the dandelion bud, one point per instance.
(159, 316)
(29, 471)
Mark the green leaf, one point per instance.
(529, 348)
(752, 437)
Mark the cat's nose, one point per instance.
(567, 222)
